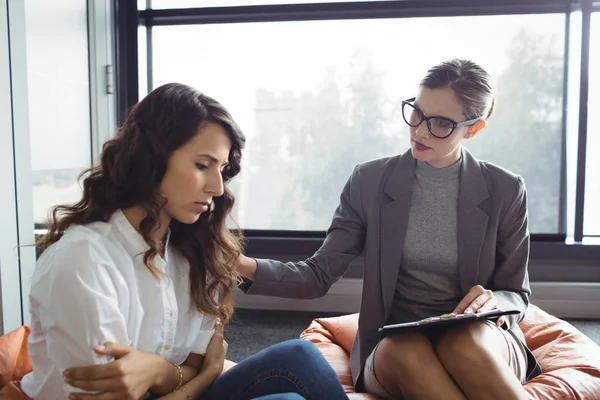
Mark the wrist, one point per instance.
(212, 369)
(163, 372)
(248, 267)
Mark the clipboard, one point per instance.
(445, 320)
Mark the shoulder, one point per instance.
(91, 239)
(378, 166)
(81, 255)
(501, 181)
(375, 171)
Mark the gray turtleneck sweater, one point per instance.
(428, 281)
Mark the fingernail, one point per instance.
(101, 347)
(66, 373)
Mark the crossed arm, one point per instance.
(87, 340)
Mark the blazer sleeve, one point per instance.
(511, 279)
(313, 277)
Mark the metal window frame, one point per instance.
(17, 259)
(126, 49)
(586, 15)
(350, 10)
(101, 74)
(10, 288)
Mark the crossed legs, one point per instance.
(468, 362)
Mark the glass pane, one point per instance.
(165, 4)
(59, 100)
(316, 98)
(591, 224)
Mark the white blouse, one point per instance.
(92, 287)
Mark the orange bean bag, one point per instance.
(15, 363)
(570, 360)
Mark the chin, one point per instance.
(421, 155)
(188, 219)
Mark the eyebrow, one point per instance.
(431, 116)
(417, 106)
(213, 159)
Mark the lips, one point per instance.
(420, 146)
(203, 206)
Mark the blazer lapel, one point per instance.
(394, 221)
(472, 220)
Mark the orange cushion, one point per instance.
(12, 391)
(569, 359)
(334, 337)
(14, 359)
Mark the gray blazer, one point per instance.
(371, 219)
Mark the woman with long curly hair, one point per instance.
(130, 294)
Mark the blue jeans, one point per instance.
(291, 370)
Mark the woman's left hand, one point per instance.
(128, 377)
(478, 300)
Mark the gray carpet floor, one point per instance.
(250, 331)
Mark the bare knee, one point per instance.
(473, 347)
(399, 361)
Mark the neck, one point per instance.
(448, 160)
(136, 214)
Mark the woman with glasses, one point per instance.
(440, 232)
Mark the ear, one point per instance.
(475, 128)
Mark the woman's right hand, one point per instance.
(130, 375)
(214, 359)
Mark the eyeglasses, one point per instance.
(440, 127)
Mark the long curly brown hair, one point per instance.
(131, 169)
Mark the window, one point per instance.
(316, 98)
(59, 101)
(591, 225)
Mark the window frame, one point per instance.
(18, 260)
(586, 15)
(9, 234)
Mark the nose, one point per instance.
(422, 130)
(215, 185)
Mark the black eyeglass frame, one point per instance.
(428, 119)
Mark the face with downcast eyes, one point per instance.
(194, 174)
